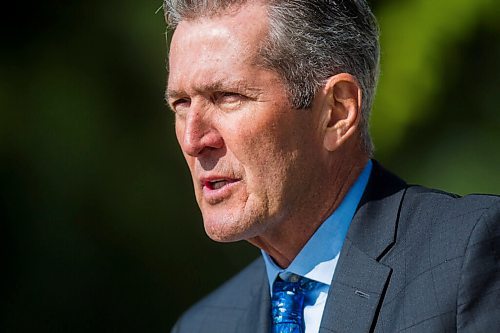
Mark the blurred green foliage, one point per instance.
(436, 117)
(100, 230)
(414, 57)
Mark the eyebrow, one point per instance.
(218, 85)
(169, 93)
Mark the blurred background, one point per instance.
(99, 230)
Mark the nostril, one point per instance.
(195, 142)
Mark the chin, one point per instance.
(223, 236)
(225, 229)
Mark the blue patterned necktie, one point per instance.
(288, 304)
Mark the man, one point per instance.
(271, 102)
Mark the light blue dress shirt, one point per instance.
(318, 258)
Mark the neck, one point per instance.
(284, 242)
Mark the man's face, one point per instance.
(252, 157)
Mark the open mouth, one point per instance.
(217, 184)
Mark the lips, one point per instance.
(216, 189)
(217, 184)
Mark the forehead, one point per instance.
(214, 46)
(239, 18)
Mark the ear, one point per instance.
(342, 109)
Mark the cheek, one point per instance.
(280, 161)
(190, 160)
(179, 131)
(265, 157)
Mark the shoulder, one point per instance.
(459, 212)
(442, 228)
(427, 202)
(444, 255)
(459, 238)
(428, 196)
(415, 219)
(222, 307)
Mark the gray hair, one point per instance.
(309, 41)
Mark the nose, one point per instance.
(198, 135)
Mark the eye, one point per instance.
(228, 100)
(180, 105)
(229, 96)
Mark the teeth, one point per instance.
(218, 184)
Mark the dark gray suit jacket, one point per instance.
(414, 260)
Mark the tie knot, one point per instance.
(293, 283)
(288, 302)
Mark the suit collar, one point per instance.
(360, 279)
(373, 229)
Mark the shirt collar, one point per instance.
(318, 258)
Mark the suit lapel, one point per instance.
(360, 279)
(355, 293)
(257, 318)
